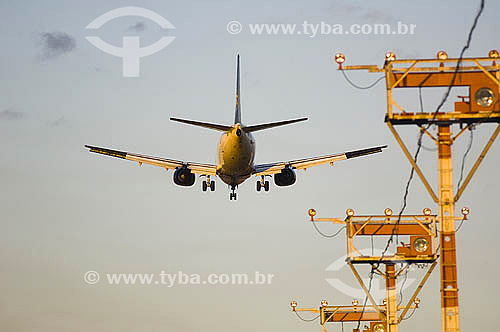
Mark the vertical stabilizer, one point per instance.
(237, 111)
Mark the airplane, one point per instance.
(236, 152)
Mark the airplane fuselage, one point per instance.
(235, 156)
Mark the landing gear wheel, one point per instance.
(204, 186)
(232, 194)
(266, 186)
(212, 185)
(259, 186)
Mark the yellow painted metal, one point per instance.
(392, 301)
(487, 73)
(449, 279)
(417, 291)
(412, 162)
(477, 163)
(398, 77)
(407, 71)
(370, 297)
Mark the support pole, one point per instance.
(392, 301)
(449, 283)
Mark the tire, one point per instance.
(259, 186)
(266, 186)
(204, 186)
(212, 185)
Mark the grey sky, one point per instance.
(65, 211)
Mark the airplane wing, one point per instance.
(197, 168)
(274, 168)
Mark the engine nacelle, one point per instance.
(287, 177)
(184, 177)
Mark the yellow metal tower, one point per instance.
(482, 78)
(421, 249)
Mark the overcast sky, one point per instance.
(65, 211)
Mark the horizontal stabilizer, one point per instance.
(250, 129)
(204, 124)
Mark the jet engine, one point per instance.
(285, 178)
(183, 177)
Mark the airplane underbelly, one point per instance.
(236, 157)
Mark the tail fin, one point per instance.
(250, 129)
(237, 111)
(204, 124)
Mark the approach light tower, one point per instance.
(482, 77)
(422, 248)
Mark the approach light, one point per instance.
(312, 213)
(493, 54)
(293, 304)
(442, 55)
(421, 244)
(427, 211)
(484, 97)
(378, 328)
(388, 212)
(324, 303)
(349, 212)
(355, 302)
(340, 59)
(390, 56)
(416, 301)
(465, 211)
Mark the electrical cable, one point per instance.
(361, 87)
(411, 314)
(304, 319)
(459, 226)
(465, 157)
(402, 286)
(330, 236)
(421, 102)
(420, 99)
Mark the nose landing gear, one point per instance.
(232, 194)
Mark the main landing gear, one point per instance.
(263, 184)
(232, 194)
(205, 184)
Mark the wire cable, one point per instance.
(402, 286)
(410, 315)
(420, 99)
(330, 236)
(361, 87)
(459, 226)
(305, 319)
(372, 272)
(465, 157)
(438, 108)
